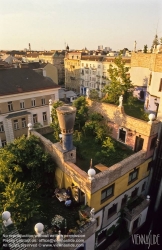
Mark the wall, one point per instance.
(116, 119)
(90, 243)
(104, 180)
(52, 72)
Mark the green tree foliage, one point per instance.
(94, 95)
(95, 117)
(145, 48)
(82, 111)
(55, 123)
(22, 163)
(120, 82)
(27, 159)
(17, 199)
(95, 126)
(108, 146)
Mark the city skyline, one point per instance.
(79, 23)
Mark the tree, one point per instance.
(17, 199)
(94, 95)
(23, 162)
(25, 159)
(81, 111)
(145, 48)
(55, 122)
(120, 82)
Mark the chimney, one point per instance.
(66, 117)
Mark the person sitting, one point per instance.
(56, 191)
(68, 203)
(68, 191)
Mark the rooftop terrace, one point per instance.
(88, 148)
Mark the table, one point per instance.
(62, 196)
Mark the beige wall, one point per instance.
(146, 60)
(28, 104)
(52, 72)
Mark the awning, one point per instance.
(17, 114)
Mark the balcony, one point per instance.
(135, 207)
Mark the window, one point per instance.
(107, 193)
(143, 187)
(133, 176)
(44, 116)
(43, 101)
(1, 127)
(153, 143)
(134, 193)
(160, 87)
(112, 211)
(98, 221)
(149, 165)
(33, 102)
(22, 104)
(3, 143)
(122, 135)
(139, 143)
(35, 120)
(10, 107)
(23, 121)
(124, 201)
(53, 97)
(16, 125)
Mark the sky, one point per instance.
(49, 24)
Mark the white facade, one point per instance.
(91, 76)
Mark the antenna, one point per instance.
(157, 26)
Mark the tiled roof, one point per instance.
(93, 58)
(14, 81)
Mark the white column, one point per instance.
(50, 109)
(9, 131)
(30, 120)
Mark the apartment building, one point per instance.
(109, 190)
(54, 57)
(146, 76)
(73, 71)
(94, 72)
(24, 98)
(84, 71)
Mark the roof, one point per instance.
(16, 80)
(93, 58)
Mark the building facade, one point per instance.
(110, 190)
(146, 76)
(84, 72)
(24, 98)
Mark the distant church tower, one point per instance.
(29, 47)
(67, 48)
